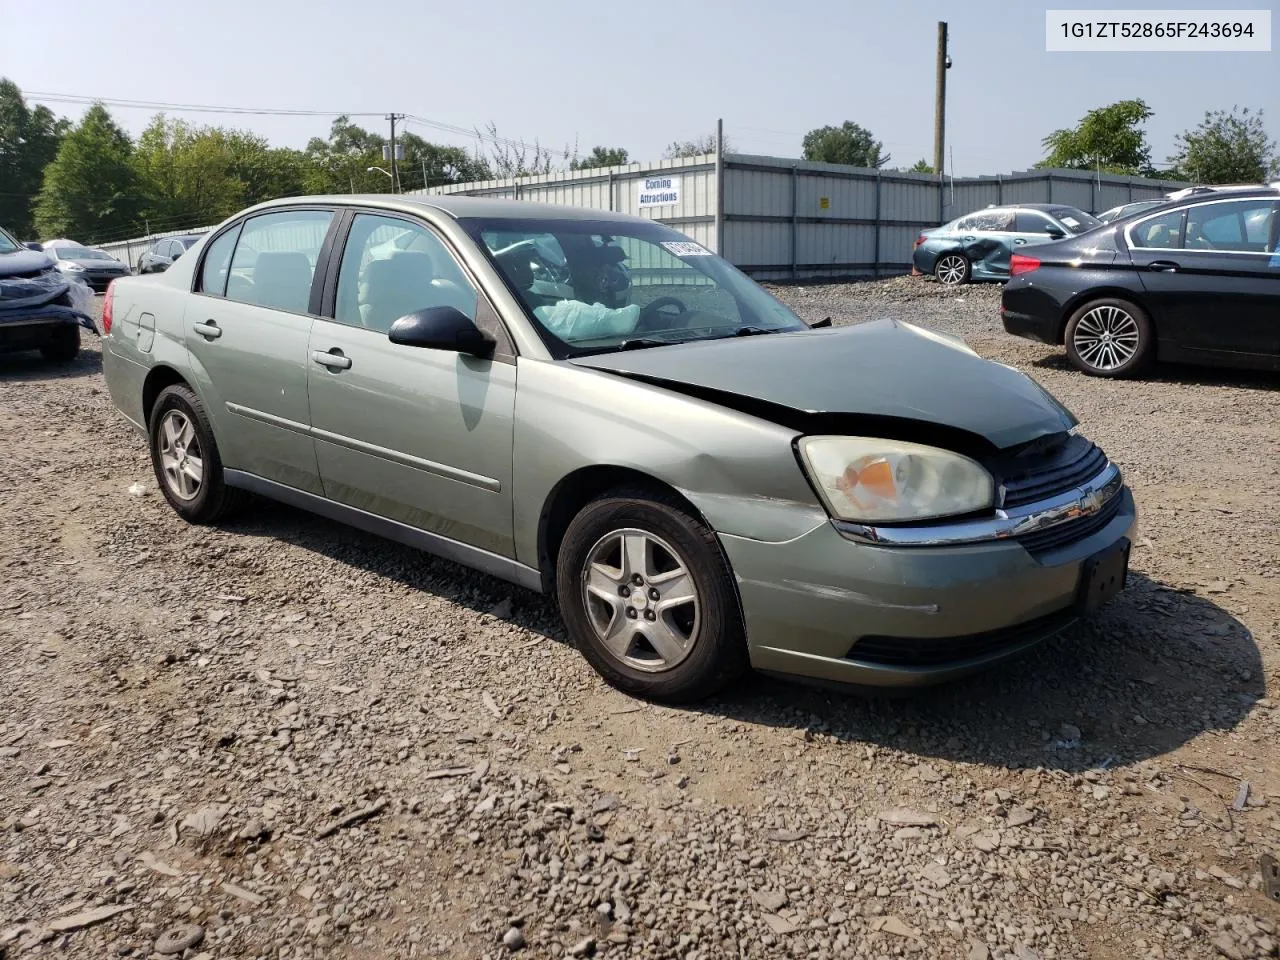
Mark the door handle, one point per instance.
(1020, 240)
(334, 359)
(209, 330)
(1163, 266)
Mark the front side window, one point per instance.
(275, 259)
(7, 243)
(1159, 233)
(591, 287)
(1242, 226)
(1029, 221)
(392, 267)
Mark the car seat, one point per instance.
(282, 281)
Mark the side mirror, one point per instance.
(32, 245)
(176, 256)
(1054, 233)
(441, 328)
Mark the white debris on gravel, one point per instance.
(304, 742)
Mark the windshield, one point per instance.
(188, 242)
(79, 253)
(1077, 221)
(7, 243)
(596, 287)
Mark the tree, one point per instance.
(601, 157)
(427, 164)
(515, 158)
(848, 143)
(341, 163)
(91, 187)
(1226, 148)
(1108, 138)
(921, 166)
(29, 141)
(697, 147)
(186, 174)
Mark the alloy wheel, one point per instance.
(181, 459)
(1107, 337)
(950, 269)
(641, 600)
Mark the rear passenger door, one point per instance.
(247, 328)
(1212, 279)
(420, 436)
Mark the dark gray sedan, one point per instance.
(93, 267)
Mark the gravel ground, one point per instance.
(283, 738)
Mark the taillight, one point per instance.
(1020, 263)
(919, 240)
(106, 308)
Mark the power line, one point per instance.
(131, 104)
(190, 107)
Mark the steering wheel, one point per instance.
(654, 316)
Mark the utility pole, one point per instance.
(940, 100)
(395, 173)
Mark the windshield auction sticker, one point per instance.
(685, 248)
(1164, 31)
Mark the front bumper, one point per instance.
(34, 328)
(923, 615)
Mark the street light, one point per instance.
(380, 170)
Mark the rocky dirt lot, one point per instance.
(286, 739)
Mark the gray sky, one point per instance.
(631, 75)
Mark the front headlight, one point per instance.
(878, 481)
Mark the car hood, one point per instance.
(884, 369)
(23, 261)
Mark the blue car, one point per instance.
(978, 245)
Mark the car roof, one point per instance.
(461, 207)
(1042, 207)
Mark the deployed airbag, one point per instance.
(572, 320)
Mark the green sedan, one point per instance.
(596, 407)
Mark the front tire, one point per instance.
(1110, 337)
(647, 597)
(185, 457)
(63, 345)
(952, 269)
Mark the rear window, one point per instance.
(987, 221)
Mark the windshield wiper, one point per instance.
(640, 343)
(755, 331)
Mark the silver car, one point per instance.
(596, 407)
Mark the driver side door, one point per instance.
(419, 436)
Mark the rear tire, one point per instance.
(952, 269)
(185, 458)
(63, 345)
(1110, 337)
(647, 596)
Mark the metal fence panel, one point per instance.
(788, 218)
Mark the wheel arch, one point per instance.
(159, 377)
(578, 488)
(1102, 293)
